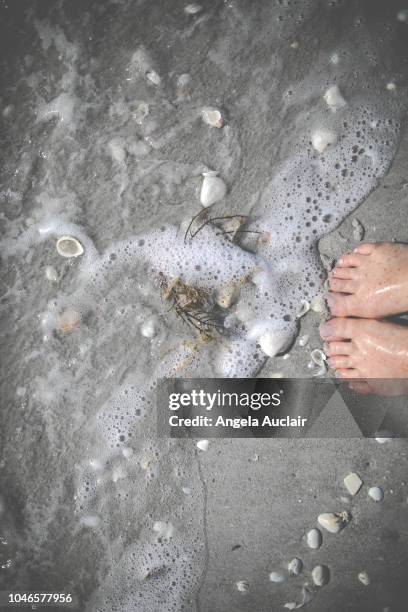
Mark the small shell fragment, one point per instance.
(318, 357)
(164, 530)
(306, 599)
(192, 9)
(226, 295)
(213, 117)
(303, 340)
(323, 138)
(242, 586)
(148, 328)
(70, 320)
(364, 578)
(353, 483)
(213, 189)
(153, 77)
(276, 577)
(334, 99)
(314, 538)
(303, 309)
(358, 230)
(321, 575)
(376, 493)
(318, 304)
(68, 246)
(334, 522)
(295, 566)
(203, 445)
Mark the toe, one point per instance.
(339, 362)
(365, 249)
(348, 373)
(339, 348)
(345, 273)
(340, 285)
(338, 328)
(361, 387)
(351, 260)
(341, 305)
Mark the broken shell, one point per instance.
(276, 577)
(334, 99)
(153, 77)
(321, 575)
(323, 138)
(290, 605)
(314, 538)
(306, 598)
(364, 578)
(148, 328)
(68, 246)
(304, 308)
(242, 586)
(318, 304)
(333, 522)
(391, 86)
(358, 230)
(353, 483)
(295, 566)
(51, 274)
(318, 357)
(303, 340)
(192, 9)
(376, 493)
(213, 189)
(70, 320)
(213, 117)
(203, 445)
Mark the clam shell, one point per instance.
(333, 523)
(68, 246)
(353, 483)
(212, 117)
(295, 566)
(314, 538)
(213, 189)
(276, 577)
(358, 230)
(376, 493)
(321, 575)
(364, 578)
(203, 445)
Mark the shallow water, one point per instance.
(103, 141)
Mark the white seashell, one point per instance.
(384, 436)
(364, 578)
(306, 598)
(318, 357)
(203, 445)
(163, 530)
(8, 111)
(51, 274)
(323, 138)
(212, 117)
(127, 452)
(335, 58)
(294, 45)
(242, 586)
(304, 308)
(295, 566)
(273, 343)
(333, 522)
(192, 9)
(403, 16)
(213, 189)
(353, 483)
(276, 577)
(148, 328)
(318, 304)
(153, 77)
(321, 575)
(358, 230)
(68, 246)
(391, 86)
(334, 99)
(286, 356)
(314, 538)
(376, 493)
(226, 295)
(69, 320)
(303, 340)
(290, 605)
(186, 490)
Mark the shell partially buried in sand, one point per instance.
(68, 246)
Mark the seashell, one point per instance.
(127, 452)
(314, 538)
(70, 320)
(334, 99)
(321, 575)
(148, 328)
(295, 566)
(334, 522)
(403, 16)
(153, 77)
(192, 9)
(306, 599)
(276, 577)
(304, 308)
(318, 357)
(213, 189)
(68, 246)
(383, 436)
(364, 578)
(186, 490)
(303, 340)
(213, 117)
(203, 445)
(391, 86)
(51, 274)
(358, 230)
(376, 493)
(290, 605)
(294, 45)
(353, 483)
(226, 295)
(242, 586)
(323, 138)
(318, 304)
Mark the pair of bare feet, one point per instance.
(366, 286)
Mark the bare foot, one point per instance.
(371, 282)
(366, 348)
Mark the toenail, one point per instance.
(326, 330)
(341, 260)
(330, 300)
